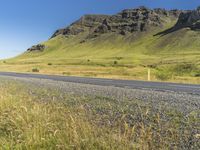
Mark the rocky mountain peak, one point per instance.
(128, 21)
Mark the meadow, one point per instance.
(33, 117)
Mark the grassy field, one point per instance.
(173, 57)
(43, 118)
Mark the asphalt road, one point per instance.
(131, 84)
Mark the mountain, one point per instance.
(127, 21)
(122, 45)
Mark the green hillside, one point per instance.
(172, 57)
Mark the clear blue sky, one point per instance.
(27, 22)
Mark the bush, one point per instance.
(50, 64)
(197, 75)
(182, 69)
(115, 62)
(163, 76)
(35, 70)
(119, 58)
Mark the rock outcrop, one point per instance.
(87, 21)
(128, 21)
(189, 19)
(38, 47)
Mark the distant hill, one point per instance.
(168, 41)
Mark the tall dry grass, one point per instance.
(34, 118)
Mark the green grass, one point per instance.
(115, 56)
(33, 117)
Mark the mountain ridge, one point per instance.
(128, 20)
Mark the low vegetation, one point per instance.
(50, 64)
(36, 117)
(35, 70)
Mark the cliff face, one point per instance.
(128, 21)
(189, 19)
(86, 22)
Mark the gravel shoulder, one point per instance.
(183, 102)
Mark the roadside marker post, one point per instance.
(149, 74)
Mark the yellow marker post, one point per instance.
(149, 74)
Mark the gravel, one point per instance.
(183, 102)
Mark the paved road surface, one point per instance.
(131, 84)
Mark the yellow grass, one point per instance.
(33, 117)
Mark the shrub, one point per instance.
(197, 75)
(50, 64)
(119, 58)
(181, 69)
(115, 62)
(35, 70)
(163, 76)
